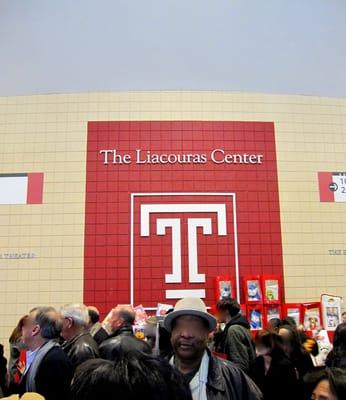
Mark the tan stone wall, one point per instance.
(48, 134)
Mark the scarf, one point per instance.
(198, 384)
(32, 371)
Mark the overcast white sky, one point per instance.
(271, 46)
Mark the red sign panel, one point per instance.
(172, 205)
(332, 186)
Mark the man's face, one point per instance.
(343, 318)
(66, 326)
(30, 329)
(285, 334)
(322, 391)
(222, 316)
(262, 350)
(116, 322)
(189, 337)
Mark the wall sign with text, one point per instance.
(171, 205)
(332, 186)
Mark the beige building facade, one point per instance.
(42, 245)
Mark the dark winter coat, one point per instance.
(237, 343)
(102, 334)
(228, 382)
(280, 381)
(81, 348)
(53, 377)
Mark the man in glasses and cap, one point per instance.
(209, 377)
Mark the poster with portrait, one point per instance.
(253, 290)
(272, 311)
(294, 311)
(255, 317)
(271, 289)
(312, 316)
(162, 309)
(224, 287)
(331, 311)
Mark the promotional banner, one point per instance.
(172, 205)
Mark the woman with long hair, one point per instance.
(294, 350)
(337, 356)
(272, 371)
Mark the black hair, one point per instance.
(289, 321)
(119, 346)
(274, 324)
(133, 376)
(335, 376)
(127, 316)
(337, 356)
(293, 344)
(230, 305)
(339, 342)
(272, 341)
(93, 315)
(47, 318)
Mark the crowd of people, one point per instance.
(70, 354)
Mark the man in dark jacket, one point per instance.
(235, 341)
(209, 377)
(79, 344)
(48, 369)
(118, 322)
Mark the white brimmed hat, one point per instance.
(189, 306)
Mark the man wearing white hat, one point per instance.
(210, 378)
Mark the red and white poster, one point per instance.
(332, 186)
(21, 188)
(172, 205)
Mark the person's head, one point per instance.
(94, 315)
(41, 325)
(327, 383)
(134, 376)
(117, 347)
(339, 342)
(75, 319)
(291, 339)
(190, 325)
(16, 334)
(343, 317)
(269, 344)
(274, 324)
(119, 317)
(289, 321)
(227, 309)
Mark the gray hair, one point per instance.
(48, 320)
(77, 312)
